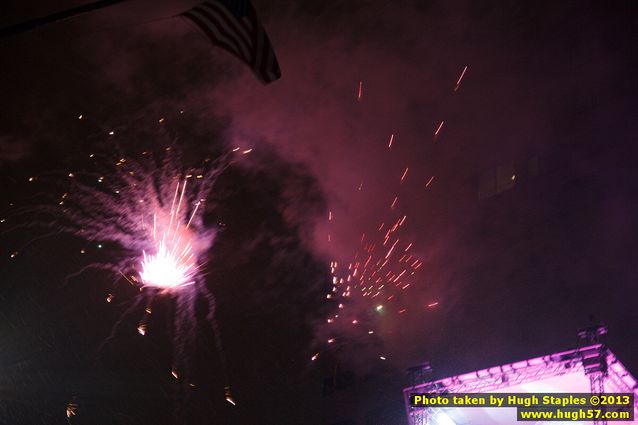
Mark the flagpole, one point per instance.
(55, 17)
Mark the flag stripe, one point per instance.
(218, 34)
(246, 22)
(237, 30)
(230, 21)
(263, 49)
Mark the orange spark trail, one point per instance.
(436, 133)
(458, 82)
(405, 173)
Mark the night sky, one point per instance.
(521, 207)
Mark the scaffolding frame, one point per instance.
(615, 377)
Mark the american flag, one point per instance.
(233, 26)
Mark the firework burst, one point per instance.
(144, 217)
(370, 285)
(152, 211)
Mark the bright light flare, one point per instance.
(167, 269)
(173, 264)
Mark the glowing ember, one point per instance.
(229, 396)
(71, 409)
